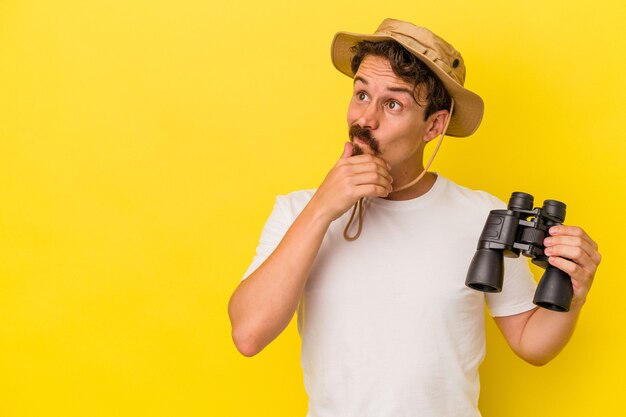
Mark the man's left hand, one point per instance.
(571, 250)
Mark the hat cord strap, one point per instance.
(359, 204)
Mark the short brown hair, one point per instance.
(408, 67)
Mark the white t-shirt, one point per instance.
(388, 327)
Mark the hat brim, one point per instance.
(468, 106)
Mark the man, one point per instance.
(388, 327)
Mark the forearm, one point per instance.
(264, 303)
(539, 335)
(546, 333)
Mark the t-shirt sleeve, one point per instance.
(275, 228)
(518, 289)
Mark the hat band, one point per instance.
(422, 50)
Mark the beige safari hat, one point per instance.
(445, 61)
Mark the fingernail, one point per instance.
(547, 251)
(553, 230)
(547, 241)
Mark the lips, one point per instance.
(360, 141)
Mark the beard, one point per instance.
(365, 135)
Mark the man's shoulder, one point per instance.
(471, 198)
(298, 196)
(293, 202)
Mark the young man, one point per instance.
(388, 327)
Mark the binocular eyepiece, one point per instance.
(521, 229)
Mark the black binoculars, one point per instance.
(521, 229)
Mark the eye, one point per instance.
(361, 95)
(394, 105)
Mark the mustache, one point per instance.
(366, 136)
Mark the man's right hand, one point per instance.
(263, 304)
(352, 178)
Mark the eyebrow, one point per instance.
(394, 89)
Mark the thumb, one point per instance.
(347, 150)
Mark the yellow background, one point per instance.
(142, 144)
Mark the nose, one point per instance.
(368, 117)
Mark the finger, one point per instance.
(572, 241)
(572, 231)
(365, 163)
(360, 165)
(574, 254)
(375, 178)
(367, 172)
(368, 158)
(564, 230)
(347, 150)
(372, 190)
(578, 275)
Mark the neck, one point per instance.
(404, 190)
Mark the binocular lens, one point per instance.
(521, 201)
(554, 291)
(486, 272)
(555, 208)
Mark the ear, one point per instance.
(435, 124)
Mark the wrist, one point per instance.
(317, 215)
(322, 210)
(577, 304)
